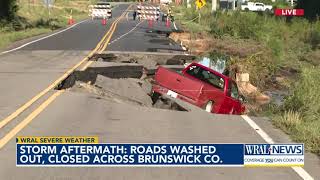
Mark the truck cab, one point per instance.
(226, 100)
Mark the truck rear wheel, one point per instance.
(208, 107)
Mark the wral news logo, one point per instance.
(273, 155)
(274, 149)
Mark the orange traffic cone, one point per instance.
(168, 23)
(104, 21)
(70, 20)
(150, 23)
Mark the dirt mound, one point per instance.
(204, 43)
(197, 46)
(253, 94)
(180, 36)
(236, 47)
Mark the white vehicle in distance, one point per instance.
(255, 6)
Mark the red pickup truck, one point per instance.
(201, 86)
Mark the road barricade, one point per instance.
(148, 12)
(100, 11)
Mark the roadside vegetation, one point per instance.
(26, 18)
(287, 60)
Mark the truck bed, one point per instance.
(178, 83)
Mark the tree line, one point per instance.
(8, 9)
(311, 8)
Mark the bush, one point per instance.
(281, 4)
(311, 8)
(307, 132)
(290, 120)
(16, 24)
(8, 9)
(301, 110)
(51, 23)
(305, 97)
(313, 37)
(237, 24)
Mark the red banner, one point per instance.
(289, 12)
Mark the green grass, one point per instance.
(33, 19)
(190, 18)
(291, 44)
(9, 37)
(302, 110)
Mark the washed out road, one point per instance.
(28, 71)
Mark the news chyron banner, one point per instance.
(87, 151)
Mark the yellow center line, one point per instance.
(28, 119)
(46, 103)
(106, 35)
(109, 38)
(99, 45)
(112, 29)
(103, 38)
(38, 96)
(114, 25)
(12, 116)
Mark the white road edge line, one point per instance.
(24, 45)
(299, 170)
(120, 37)
(127, 16)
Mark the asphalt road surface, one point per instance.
(30, 70)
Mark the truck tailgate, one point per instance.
(178, 83)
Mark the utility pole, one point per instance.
(214, 6)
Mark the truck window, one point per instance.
(206, 76)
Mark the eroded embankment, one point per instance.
(248, 63)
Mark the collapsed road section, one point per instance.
(126, 78)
